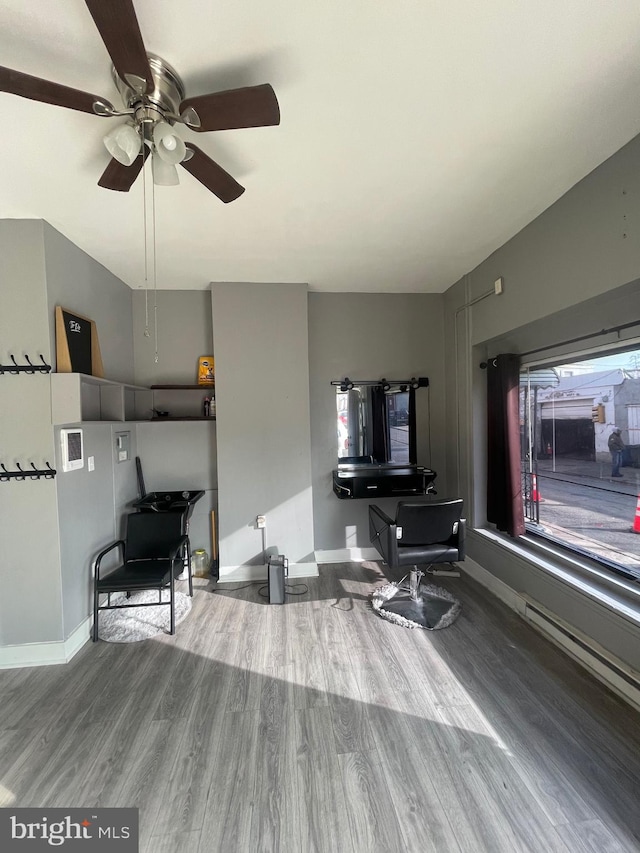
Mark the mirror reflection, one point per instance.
(376, 424)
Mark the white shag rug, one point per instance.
(131, 625)
(436, 607)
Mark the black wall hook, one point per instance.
(29, 367)
(47, 473)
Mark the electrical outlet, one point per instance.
(261, 521)
(497, 284)
(91, 463)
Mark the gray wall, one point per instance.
(91, 505)
(30, 604)
(177, 456)
(77, 282)
(368, 336)
(184, 334)
(584, 245)
(571, 272)
(51, 529)
(262, 392)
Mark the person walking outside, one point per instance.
(616, 446)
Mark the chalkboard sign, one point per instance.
(77, 347)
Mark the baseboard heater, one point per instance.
(622, 680)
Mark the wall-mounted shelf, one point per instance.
(78, 397)
(183, 402)
(185, 418)
(183, 387)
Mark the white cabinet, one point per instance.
(77, 397)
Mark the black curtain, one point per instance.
(413, 438)
(504, 479)
(380, 447)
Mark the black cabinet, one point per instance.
(371, 480)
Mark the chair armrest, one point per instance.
(383, 534)
(174, 549)
(462, 532)
(119, 543)
(179, 545)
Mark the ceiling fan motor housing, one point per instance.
(153, 98)
(160, 104)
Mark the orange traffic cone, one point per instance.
(636, 520)
(535, 494)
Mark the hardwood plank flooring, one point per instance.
(318, 727)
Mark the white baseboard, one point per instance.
(607, 668)
(347, 555)
(618, 676)
(235, 574)
(46, 654)
(500, 589)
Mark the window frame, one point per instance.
(533, 534)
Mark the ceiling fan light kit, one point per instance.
(164, 174)
(154, 99)
(168, 145)
(123, 143)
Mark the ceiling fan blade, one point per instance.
(119, 177)
(118, 26)
(212, 176)
(37, 89)
(252, 106)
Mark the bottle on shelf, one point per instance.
(206, 405)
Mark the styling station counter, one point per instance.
(381, 480)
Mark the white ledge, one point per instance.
(603, 587)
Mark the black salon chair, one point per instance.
(421, 536)
(153, 553)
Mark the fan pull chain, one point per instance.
(146, 263)
(155, 277)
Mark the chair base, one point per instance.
(426, 611)
(432, 608)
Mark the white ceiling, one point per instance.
(417, 136)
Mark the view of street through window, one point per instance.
(580, 440)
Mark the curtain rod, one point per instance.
(414, 382)
(483, 364)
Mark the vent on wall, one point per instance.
(612, 672)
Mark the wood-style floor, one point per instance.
(317, 726)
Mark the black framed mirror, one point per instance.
(376, 420)
(377, 441)
(375, 424)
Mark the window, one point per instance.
(580, 476)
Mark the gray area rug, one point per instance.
(140, 623)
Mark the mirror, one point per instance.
(376, 423)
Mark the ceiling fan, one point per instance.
(155, 100)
